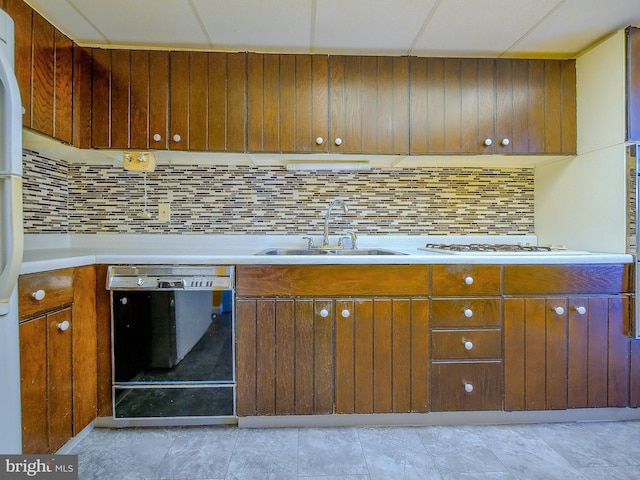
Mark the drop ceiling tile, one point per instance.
(257, 25)
(369, 26)
(161, 23)
(473, 28)
(577, 24)
(68, 20)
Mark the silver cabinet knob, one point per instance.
(177, 138)
(581, 310)
(505, 142)
(468, 280)
(157, 137)
(558, 310)
(345, 313)
(63, 326)
(319, 140)
(488, 142)
(338, 141)
(468, 345)
(468, 387)
(324, 313)
(468, 312)
(38, 295)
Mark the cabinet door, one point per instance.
(535, 106)
(84, 347)
(598, 370)
(227, 102)
(59, 379)
(452, 105)
(369, 105)
(287, 103)
(535, 353)
(22, 15)
(33, 385)
(284, 357)
(188, 101)
(382, 355)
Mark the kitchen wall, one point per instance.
(581, 202)
(86, 198)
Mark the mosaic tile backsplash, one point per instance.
(214, 199)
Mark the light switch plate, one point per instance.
(164, 212)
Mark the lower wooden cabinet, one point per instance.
(45, 371)
(566, 352)
(470, 385)
(284, 356)
(57, 356)
(382, 355)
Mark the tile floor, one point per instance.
(597, 451)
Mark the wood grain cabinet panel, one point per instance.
(465, 280)
(58, 359)
(502, 106)
(466, 386)
(382, 355)
(287, 103)
(285, 356)
(369, 105)
(46, 383)
(535, 353)
(22, 15)
(598, 352)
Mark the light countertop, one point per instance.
(51, 252)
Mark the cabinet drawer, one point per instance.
(462, 280)
(451, 382)
(331, 280)
(568, 279)
(466, 344)
(466, 312)
(57, 286)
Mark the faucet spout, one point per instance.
(345, 210)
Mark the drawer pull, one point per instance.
(581, 310)
(468, 387)
(324, 313)
(38, 295)
(63, 326)
(468, 280)
(558, 310)
(468, 312)
(346, 313)
(468, 345)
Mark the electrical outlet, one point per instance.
(164, 212)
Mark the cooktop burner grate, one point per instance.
(488, 247)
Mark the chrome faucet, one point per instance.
(345, 209)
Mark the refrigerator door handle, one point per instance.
(11, 217)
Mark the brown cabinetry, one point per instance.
(315, 103)
(566, 351)
(466, 338)
(44, 69)
(505, 106)
(176, 100)
(57, 356)
(290, 361)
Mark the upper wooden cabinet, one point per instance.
(315, 103)
(633, 84)
(168, 100)
(486, 106)
(44, 69)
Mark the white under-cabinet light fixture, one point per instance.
(328, 165)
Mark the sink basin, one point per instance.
(318, 251)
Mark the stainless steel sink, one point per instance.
(320, 251)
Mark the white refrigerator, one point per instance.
(11, 241)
